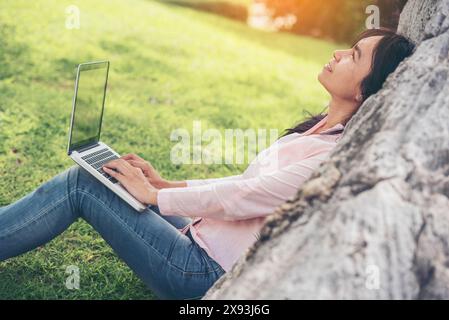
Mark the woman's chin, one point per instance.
(322, 77)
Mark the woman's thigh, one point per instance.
(169, 262)
(177, 221)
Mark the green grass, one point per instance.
(169, 66)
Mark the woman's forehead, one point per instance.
(369, 43)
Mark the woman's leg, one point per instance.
(177, 221)
(170, 263)
(39, 216)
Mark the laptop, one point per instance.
(85, 147)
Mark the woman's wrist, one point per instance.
(165, 184)
(152, 197)
(177, 184)
(160, 184)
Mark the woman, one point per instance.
(175, 256)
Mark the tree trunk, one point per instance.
(373, 221)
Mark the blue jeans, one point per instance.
(170, 263)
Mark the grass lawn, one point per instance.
(169, 66)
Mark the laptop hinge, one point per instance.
(90, 146)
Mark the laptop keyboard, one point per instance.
(99, 158)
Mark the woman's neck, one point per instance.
(340, 111)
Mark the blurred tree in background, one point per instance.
(340, 20)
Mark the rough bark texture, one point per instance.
(372, 222)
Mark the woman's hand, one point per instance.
(133, 180)
(153, 177)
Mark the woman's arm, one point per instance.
(239, 199)
(164, 184)
(160, 183)
(202, 182)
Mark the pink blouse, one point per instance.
(230, 212)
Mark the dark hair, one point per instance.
(388, 54)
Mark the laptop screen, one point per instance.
(87, 113)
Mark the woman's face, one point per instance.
(343, 75)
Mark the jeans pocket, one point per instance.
(172, 247)
(212, 264)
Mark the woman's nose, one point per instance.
(338, 54)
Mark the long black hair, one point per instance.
(388, 54)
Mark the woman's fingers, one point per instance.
(111, 172)
(131, 156)
(121, 165)
(138, 164)
(114, 174)
(135, 159)
(127, 156)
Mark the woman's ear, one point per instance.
(359, 98)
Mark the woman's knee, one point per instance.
(79, 177)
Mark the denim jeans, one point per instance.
(170, 263)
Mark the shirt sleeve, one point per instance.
(239, 199)
(201, 182)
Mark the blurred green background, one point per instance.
(171, 64)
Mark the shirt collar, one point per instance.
(337, 127)
(321, 123)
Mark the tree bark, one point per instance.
(373, 221)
